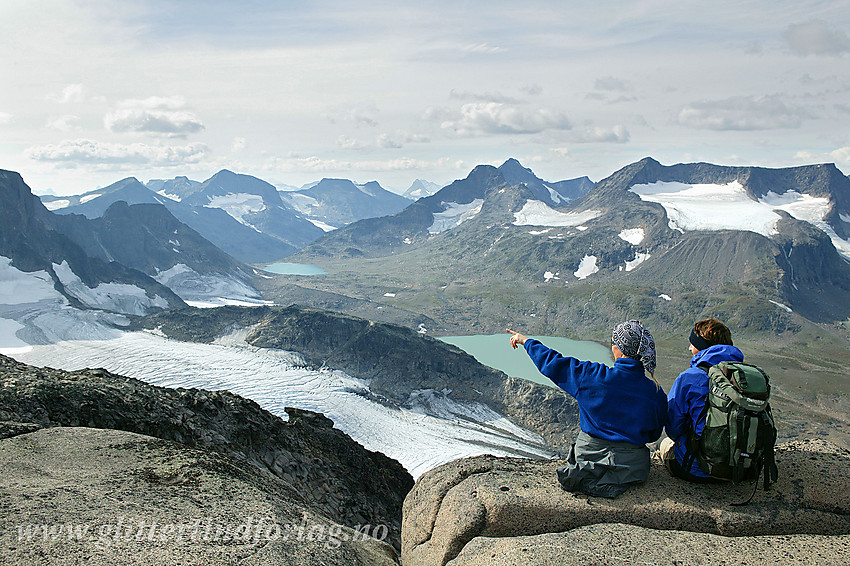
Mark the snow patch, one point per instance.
(539, 232)
(86, 198)
(10, 344)
(169, 196)
(639, 259)
(238, 205)
(303, 203)
(214, 302)
(322, 225)
(841, 245)
(729, 207)
(454, 215)
(549, 276)
(365, 191)
(538, 213)
(19, 287)
(586, 267)
(389, 294)
(56, 204)
(634, 236)
(212, 289)
(780, 305)
(116, 297)
(845, 217)
(665, 296)
(554, 195)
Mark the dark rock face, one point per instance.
(32, 245)
(146, 237)
(396, 359)
(348, 483)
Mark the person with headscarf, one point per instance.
(710, 343)
(621, 410)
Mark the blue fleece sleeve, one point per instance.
(564, 371)
(678, 408)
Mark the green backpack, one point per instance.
(739, 435)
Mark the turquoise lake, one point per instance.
(494, 350)
(295, 269)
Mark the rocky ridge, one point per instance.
(497, 511)
(345, 482)
(85, 496)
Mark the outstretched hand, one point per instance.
(517, 339)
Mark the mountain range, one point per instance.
(244, 216)
(666, 242)
(332, 203)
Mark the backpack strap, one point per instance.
(771, 472)
(692, 439)
(755, 487)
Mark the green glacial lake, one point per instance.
(295, 269)
(494, 350)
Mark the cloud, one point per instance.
(316, 164)
(64, 123)
(386, 142)
(69, 153)
(346, 142)
(816, 37)
(399, 139)
(154, 115)
(363, 114)
(484, 48)
(477, 118)
(841, 155)
(71, 93)
(595, 134)
(742, 113)
(611, 84)
(483, 97)
(239, 143)
(5, 118)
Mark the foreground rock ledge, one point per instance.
(488, 510)
(134, 492)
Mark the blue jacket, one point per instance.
(686, 400)
(618, 404)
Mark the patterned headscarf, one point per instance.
(635, 341)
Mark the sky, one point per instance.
(294, 91)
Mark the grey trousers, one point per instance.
(603, 468)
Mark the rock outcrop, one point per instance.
(75, 496)
(344, 481)
(488, 510)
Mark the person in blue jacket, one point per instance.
(620, 410)
(710, 344)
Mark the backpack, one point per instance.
(739, 435)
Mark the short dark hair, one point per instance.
(714, 331)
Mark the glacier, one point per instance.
(432, 430)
